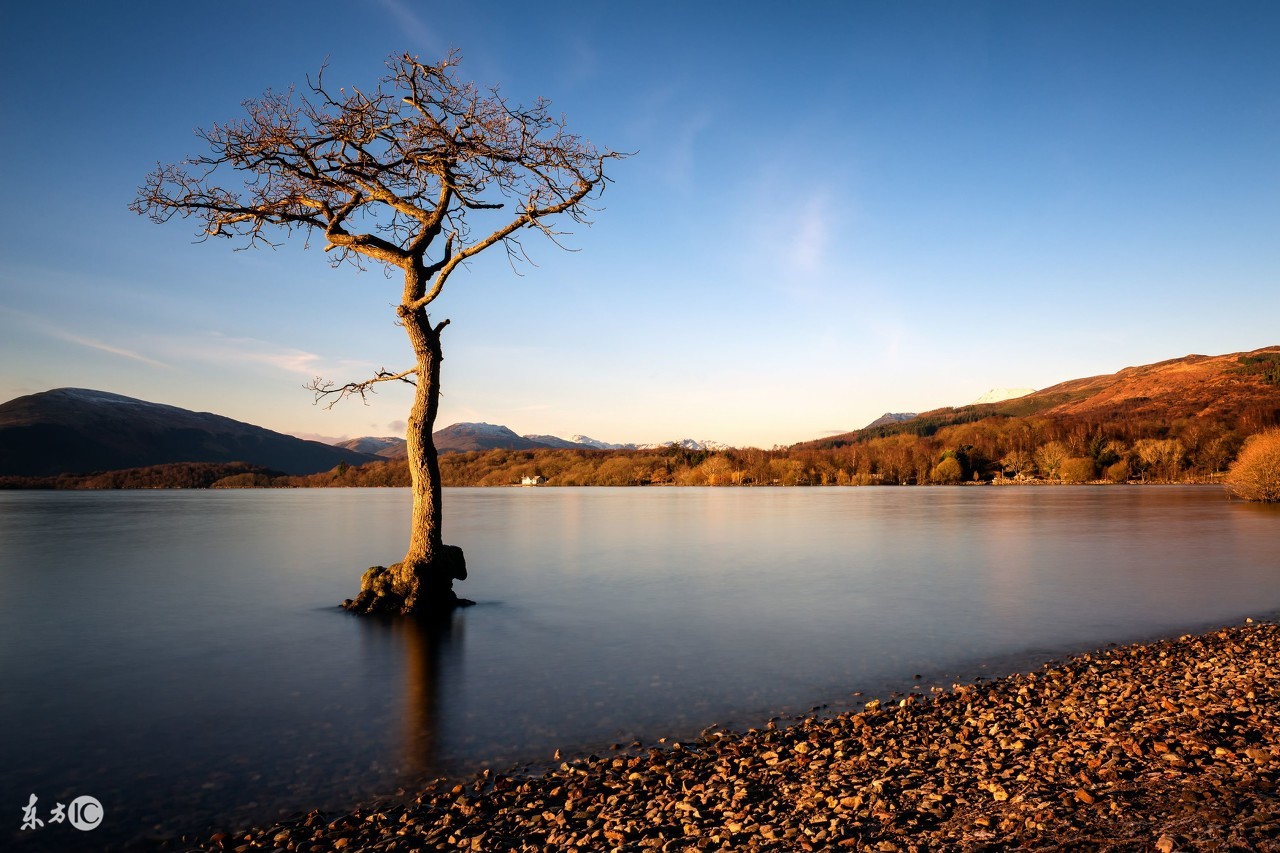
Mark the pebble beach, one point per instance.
(1168, 745)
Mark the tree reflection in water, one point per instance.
(429, 647)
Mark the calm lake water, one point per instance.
(179, 655)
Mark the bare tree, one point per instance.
(398, 176)
(1050, 457)
(1018, 461)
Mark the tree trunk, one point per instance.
(423, 581)
(424, 465)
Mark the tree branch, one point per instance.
(325, 389)
(383, 172)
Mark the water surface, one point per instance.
(179, 654)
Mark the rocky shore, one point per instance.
(1171, 745)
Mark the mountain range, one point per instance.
(81, 431)
(77, 430)
(387, 447)
(466, 437)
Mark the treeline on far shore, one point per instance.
(177, 475)
(996, 449)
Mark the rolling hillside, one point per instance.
(1237, 387)
(77, 430)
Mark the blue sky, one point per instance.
(842, 210)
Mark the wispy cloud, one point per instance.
(46, 327)
(682, 155)
(670, 144)
(799, 242)
(224, 349)
(105, 347)
(812, 234)
(583, 61)
(212, 347)
(422, 36)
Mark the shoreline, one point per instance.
(1168, 744)
(68, 484)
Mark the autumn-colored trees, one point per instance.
(947, 471)
(1255, 475)
(1077, 469)
(1050, 457)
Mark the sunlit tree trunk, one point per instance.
(430, 567)
(424, 465)
(423, 580)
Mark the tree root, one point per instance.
(422, 587)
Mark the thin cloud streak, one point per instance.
(47, 328)
(812, 236)
(105, 347)
(414, 26)
(223, 349)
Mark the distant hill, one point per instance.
(595, 443)
(891, 418)
(467, 437)
(77, 430)
(560, 443)
(388, 447)
(1224, 388)
(1194, 385)
(461, 438)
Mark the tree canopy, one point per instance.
(385, 174)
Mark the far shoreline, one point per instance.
(75, 482)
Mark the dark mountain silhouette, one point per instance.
(891, 418)
(76, 430)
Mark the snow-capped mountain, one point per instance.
(999, 395)
(463, 437)
(388, 447)
(556, 441)
(686, 443)
(588, 441)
